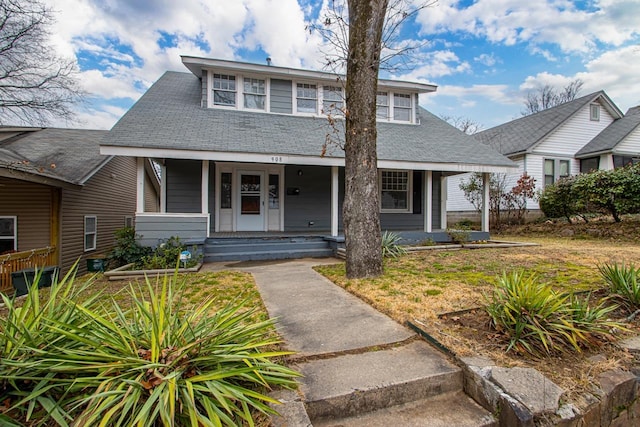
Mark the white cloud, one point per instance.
(486, 59)
(436, 64)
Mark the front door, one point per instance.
(250, 215)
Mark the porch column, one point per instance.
(334, 201)
(428, 201)
(485, 201)
(163, 188)
(205, 192)
(140, 185)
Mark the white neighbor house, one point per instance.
(587, 133)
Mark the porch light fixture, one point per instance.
(299, 172)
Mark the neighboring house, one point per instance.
(60, 199)
(241, 150)
(587, 133)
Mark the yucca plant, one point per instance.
(157, 363)
(391, 245)
(539, 320)
(624, 283)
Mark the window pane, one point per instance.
(224, 98)
(89, 242)
(590, 164)
(548, 167)
(332, 101)
(250, 205)
(394, 200)
(307, 98)
(394, 188)
(6, 245)
(307, 105)
(274, 192)
(254, 101)
(7, 227)
(225, 190)
(595, 112)
(224, 89)
(90, 224)
(401, 114)
(564, 168)
(402, 107)
(400, 100)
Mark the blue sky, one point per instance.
(483, 55)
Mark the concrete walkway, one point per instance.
(358, 364)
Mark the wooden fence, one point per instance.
(36, 258)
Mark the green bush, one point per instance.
(71, 361)
(560, 200)
(624, 283)
(538, 320)
(391, 245)
(459, 235)
(167, 256)
(126, 250)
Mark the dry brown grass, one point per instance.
(420, 287)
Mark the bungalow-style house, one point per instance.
(241, 151)
(61, 200)
(587, 133)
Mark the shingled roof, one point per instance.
(69, 156)
(521, 135)
(614, 134)
(169, 117)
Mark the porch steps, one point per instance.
(265, 248)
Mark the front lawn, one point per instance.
(422, 286)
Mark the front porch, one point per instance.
(20, 261)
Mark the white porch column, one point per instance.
(163, 188)
(443, 202)
(428, 201)
(485, 201)
(334, 201)
(140, 184)
(205, 192)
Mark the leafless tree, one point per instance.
(36, 85)
(548, 96)
(465, 124)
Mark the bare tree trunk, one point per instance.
(361, 210)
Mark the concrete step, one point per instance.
(446, 410)
(265, 246)
(271, 255)
(355, 384)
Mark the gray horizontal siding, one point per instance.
(436, 217)
(281, 95)
(312, 203)
(154, 229)
(184, 185)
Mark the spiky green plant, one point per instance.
(539, 320)
(391, 245)
(157, 363)
(624, 283)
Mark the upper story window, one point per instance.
(595, 112)
(306, 98)
(255, 93)
(382, 105)
(332, 100)
(402, 107)
(224, 90)
(8, 234)
(394, 190)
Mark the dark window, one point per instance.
(225, 190)
(8, 234)
(274, 191)
(590, 164)
(622, 161)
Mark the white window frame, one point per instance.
(249, 79)
(88, 233)
(380, 105)
(408, 190)
(556, 169)
(214, 89)
(408, 108)
(296, 97)
(594, 112)
(128, 221)
(333, 104)
(15, 231)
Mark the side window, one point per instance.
(401, 107)
(382, 105)
(225, 190)
(394, 190)
(565, 170)
(332, 100)
(224, 90)
(8, 234)
(595, 112)
(549, 171)
(307, 98)
(90, 232)
(274, 191)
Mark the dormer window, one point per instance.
(307, 98)
(382, 105)
(254, 94)
(224, 90)
(332, 100)
(401, 107)
(595, 112)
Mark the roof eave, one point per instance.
(36, 178)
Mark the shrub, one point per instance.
(391, 245)
(167, 255)
(126, 250)
(560, 200)
(624, 283)
(157, 363)
(459, 235)
(539, 320)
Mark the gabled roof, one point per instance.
(523, 134)
(169, 117)
(52, 156)
(607, 140)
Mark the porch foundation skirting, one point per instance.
(154, 228)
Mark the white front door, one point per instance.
(250, 215)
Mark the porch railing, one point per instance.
(16, 261)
